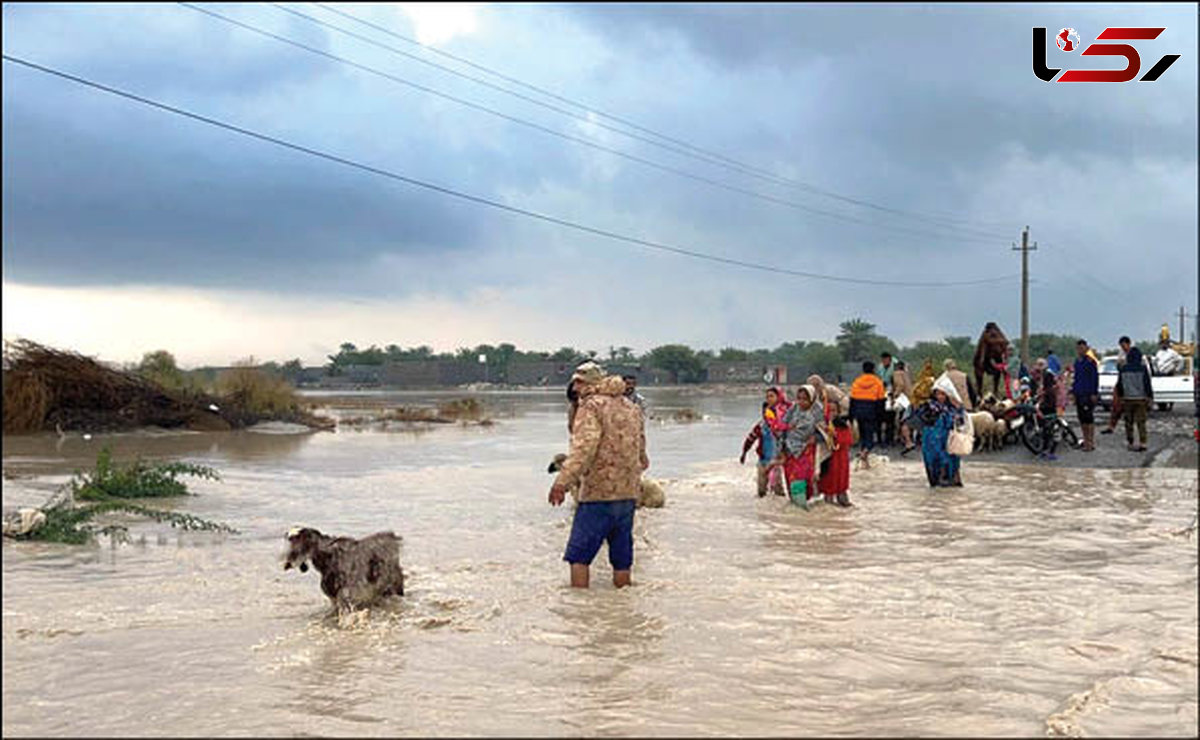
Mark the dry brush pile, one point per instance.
(461, 411)
(47, 389)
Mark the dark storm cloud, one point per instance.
(101, 191)
(926, 108)
(928, 85)
(163, 47)
(197, 206)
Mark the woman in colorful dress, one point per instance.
(803, 444)
(939, 415)
(834, 479)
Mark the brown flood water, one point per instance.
(1035, 600)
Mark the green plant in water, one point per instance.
(138, 480)
(108, 488)
(72, 525)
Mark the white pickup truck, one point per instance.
(1168, 389)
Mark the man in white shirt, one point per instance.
(1166, 360)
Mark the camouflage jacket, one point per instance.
(608, 444)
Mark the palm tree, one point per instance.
(855, 339)
(963, 349)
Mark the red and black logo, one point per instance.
(1068, 40)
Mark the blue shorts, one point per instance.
(596, 522)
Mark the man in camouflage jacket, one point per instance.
(607, 457)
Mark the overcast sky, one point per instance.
(127, 229)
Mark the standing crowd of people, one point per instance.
(803, 445)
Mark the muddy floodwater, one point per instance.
(1035, 600)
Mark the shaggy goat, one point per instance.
(651, 495)
(354, 572)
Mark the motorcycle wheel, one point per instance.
(1031, 436)
(1068, 436)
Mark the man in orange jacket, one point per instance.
(866, 393)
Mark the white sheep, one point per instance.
(988, 431)
(650, 496)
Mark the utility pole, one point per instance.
(1183, 316)
(1025, 249)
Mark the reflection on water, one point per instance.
(48, 453)
(1033, 600)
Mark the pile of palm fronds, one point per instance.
(461, 410)
(680, 415)
(47, 389)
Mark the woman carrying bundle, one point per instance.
(939, 415)
(804, 446)
(834, 478)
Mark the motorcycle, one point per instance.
(1024, 421)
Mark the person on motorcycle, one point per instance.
(1047, 403)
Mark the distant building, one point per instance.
(432, 373)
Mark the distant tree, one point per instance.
(855, 339)
(370, 356)
(679, 360)
(789, 353)
(159, 366)
(1063, 344)
(733, 354)
(916, 355)
(349, 354)
(625, 355)
(877, 345)
(962, 349)
(498, 359)
(291, 370)
(565, 354)
(823, 359)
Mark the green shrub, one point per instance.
(109, 489)
(258, 391)
(138, 480)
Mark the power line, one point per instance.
(515, 81)
(477, 199)
(594, 111)
(696, 152)
(578, 140)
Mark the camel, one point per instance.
(991, 358)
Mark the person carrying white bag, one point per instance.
(942, 417)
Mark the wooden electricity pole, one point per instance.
(1025, 249)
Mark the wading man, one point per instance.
(607, 457)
